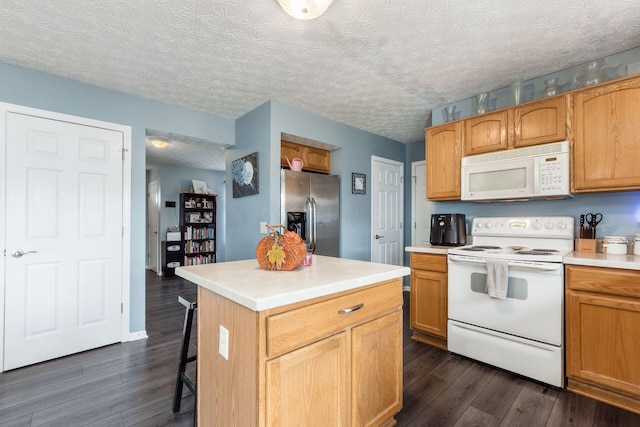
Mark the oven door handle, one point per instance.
(512, 264)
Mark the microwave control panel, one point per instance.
(554, 174)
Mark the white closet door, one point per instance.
(387, 211)
(64, 211)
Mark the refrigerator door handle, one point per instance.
(312, 224)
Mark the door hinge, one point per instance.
(124, 150)
(121, 307)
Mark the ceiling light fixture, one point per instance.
(305, 9)
(159, 143)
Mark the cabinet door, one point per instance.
(607, 137)
(602, 341)
(540, 122)
(489, 132)
(309, 386)
(376, 382)
(444, 149)
(317, 159)
(428, 309)
(290, 150)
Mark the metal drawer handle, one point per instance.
(350, 309)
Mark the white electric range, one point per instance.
(523, 333)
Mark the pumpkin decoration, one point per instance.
(280, 251)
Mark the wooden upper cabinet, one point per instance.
(315, 159)
(444, 151)
(540, 122)
(290, 150)
(606, 151)
(489, 132)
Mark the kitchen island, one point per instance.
(319, 345)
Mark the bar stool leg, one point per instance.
(182, 378)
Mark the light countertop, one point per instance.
(428, 249)
(245, 283)
(628, 262)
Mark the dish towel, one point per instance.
(497, 278)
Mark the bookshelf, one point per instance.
(198, 228)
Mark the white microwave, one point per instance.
(540, 171)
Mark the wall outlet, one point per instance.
(263, 227)
(223, 343)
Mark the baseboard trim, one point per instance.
(139, 335)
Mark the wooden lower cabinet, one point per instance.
(303, 364)
(603, 321)
(428, 299)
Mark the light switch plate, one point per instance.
(263, 227)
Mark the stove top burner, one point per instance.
(480, 248)
(538, 252)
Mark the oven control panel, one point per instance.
(538, 226)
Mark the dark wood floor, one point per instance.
(131, 384)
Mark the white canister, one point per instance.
(636, 244)
(614, 245)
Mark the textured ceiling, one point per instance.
(377, 65)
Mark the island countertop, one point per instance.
(245, 283)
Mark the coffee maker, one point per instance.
(448, 230)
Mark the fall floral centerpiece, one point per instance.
(280, 250)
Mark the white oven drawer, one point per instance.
(535, 360)
(533, 308)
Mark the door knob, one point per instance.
(19, 252)
(379, 236)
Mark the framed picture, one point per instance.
(245, 175)
(358, 183)
(199, 187)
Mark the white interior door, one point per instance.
(421, 207)
(64, 211)
(387, 211)
(153, 212)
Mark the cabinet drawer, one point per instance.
(604, 280)
(295, 328)
(431, 262)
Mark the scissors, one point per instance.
(593, 219)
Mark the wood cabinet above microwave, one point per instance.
(533, 123)
(540, 122)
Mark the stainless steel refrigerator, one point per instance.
(310, 205)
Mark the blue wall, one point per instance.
(621, 210)
(44, 91)
(244, 214)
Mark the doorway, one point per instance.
(420, 206)
(153, 219)
(387, 211)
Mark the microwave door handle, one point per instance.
(516, 264)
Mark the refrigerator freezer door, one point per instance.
(325, 192)
(299, 191)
